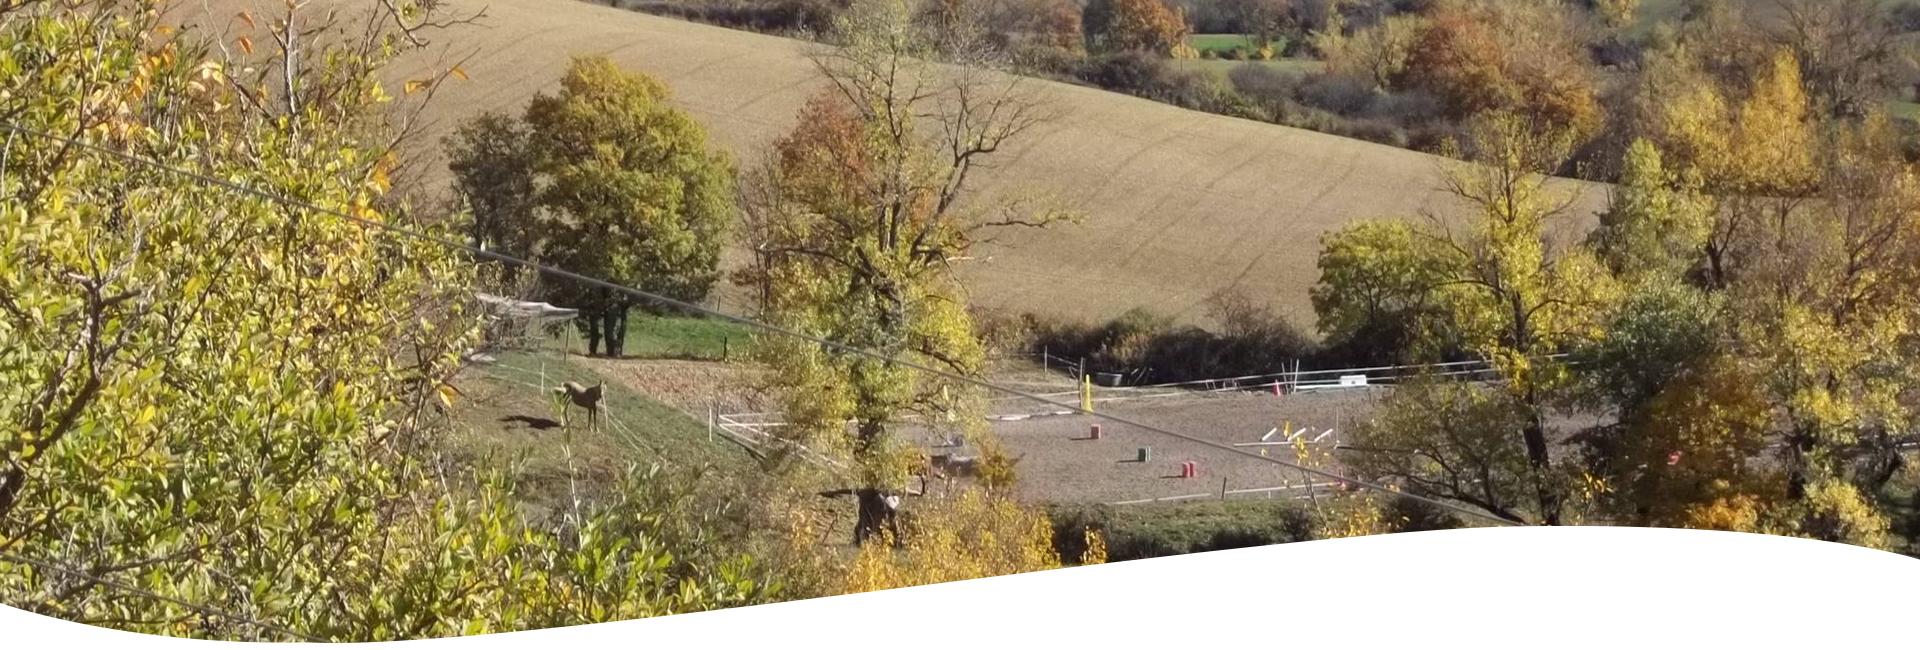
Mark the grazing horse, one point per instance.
(587, 397)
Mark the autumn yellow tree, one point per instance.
(1509, 294)
(856, 220)
(1134, 25)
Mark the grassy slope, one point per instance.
(1181, 203)
(505, 416)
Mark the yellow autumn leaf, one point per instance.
(246, 44)
(462, 74)
(380, 180)
(414, 86)
(248, 19)
(445, 393)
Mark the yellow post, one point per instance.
(1086, 393)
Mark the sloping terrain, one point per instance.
(1179, 203)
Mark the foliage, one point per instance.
(1375, 292)
(855, 221)
(1147, 347)
(1378, 53)
(1512, 57)
(1158, 530)
(1134, 25)
(231, 401)
(1658, 223)
(1452, 440)
(604, 179)
(971, 535)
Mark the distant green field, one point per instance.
(1905, 110)
(651, 336)
(1224, 42)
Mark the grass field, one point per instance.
(503, 414)
(1904, 110)
(690, 338)
(1224, 42)
(1179, 203)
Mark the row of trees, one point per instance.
(1741, 322)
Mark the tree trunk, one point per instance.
(877, 513)
(1542, 462)
(614, 325)
(590, 328)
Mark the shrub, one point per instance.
(1264, 84)
(1151, 348)
(1128, 72)
(1342, 94)
(1147, 75)
(1159, 530)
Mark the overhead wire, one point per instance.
(658, 299)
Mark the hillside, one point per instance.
(1180, 203)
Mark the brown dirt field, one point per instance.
(1059, 463)
(1180, 203)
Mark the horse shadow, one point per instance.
(537, 424)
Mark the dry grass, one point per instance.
(1180, 203)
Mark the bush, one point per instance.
(1150, 348)
(1134, 73)
(768, 16)
(1405, 108)
(1341, 94)
(1159, 530)
(1147, 75)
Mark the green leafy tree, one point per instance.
(1375, 301)
(604, 179)
(1659, 222)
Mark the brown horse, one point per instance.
(587, 397)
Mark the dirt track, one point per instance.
(1181, 203)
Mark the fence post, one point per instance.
(713, 415)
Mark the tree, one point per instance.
(856, 218)
(603, 179)
(1377, 53)
(1499, 287)
(1375, 299)
(492, 161)
(1521, 58)
(1658, 223)
(233, 401)
(1617, 14)
(1848, 50)
(1449, 440)
(1133, 25)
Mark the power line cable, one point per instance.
(768, 327)
(115, 584)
